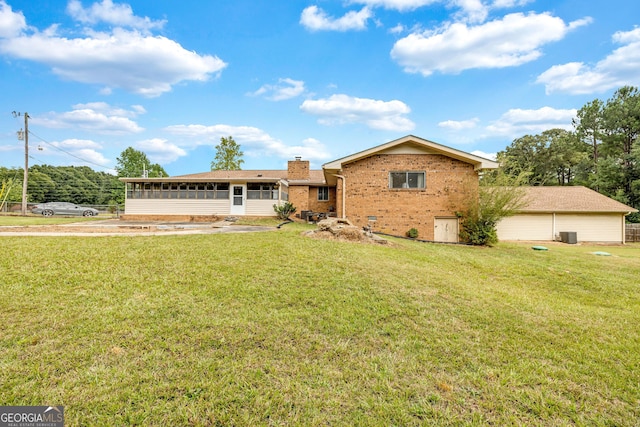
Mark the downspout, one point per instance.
(344, 197)
(553, 227)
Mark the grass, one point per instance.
(278, 329)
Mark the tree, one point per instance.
(11, 185)
(133, 163)
(228, 155)
(499, 196)
(589, 127)
(545, 159)
(621, 117)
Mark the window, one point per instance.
(323, 194)
(264, 191)
(406, 180)
(157, 190)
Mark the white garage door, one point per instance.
(526, 227)
(592, 227)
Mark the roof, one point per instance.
(568, 199)
(316, 177)
(422, 145)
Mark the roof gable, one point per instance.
(411, 144)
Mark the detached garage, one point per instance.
(550, 211)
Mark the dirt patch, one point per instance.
(344, 230)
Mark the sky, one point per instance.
(318, 79)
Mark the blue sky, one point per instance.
(319, 79)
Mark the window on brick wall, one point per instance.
(406, 180)
(323, 194)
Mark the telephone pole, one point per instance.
(24, 135)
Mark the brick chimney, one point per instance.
(298, 169)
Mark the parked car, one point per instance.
(63, 208)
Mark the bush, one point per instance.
(478, 232)
(283, 211)
(412, 233)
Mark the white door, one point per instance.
(238, 199)
(446, 230)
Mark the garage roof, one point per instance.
(570, 199)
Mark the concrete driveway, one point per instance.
(116, 227)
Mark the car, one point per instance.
(63, 208)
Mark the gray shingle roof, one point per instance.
(570, 199)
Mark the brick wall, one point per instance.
(450, 184)
(297, 169)
(319, 205)
(299, 197)
(305, 198)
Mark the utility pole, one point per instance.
(24, 135)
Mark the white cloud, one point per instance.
(285, 89)
(619, 68)
(160, 150)
(471, 10)
(513, 40)
(120, 15)
(82, 150)
(254, 141)
(397, 29)
(315, 19)
(11, 23)
(490, 156)
(401, 5)
(127, 59)
(518, 122)
(342, 109)
(456, 125)
(95, 117)
(503, 4)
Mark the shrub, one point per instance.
(283, 211)
(412, 233)
(479, 232)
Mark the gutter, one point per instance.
(344, 195)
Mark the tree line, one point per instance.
(84, 186)
(601, 152)
(77, 184)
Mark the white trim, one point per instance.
(237, 209)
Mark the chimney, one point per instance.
(298, 169)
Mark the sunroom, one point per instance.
(205, 196)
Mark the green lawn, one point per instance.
(279, 329)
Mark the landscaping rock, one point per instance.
(343, 229)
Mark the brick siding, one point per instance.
(450, 185)
(298, 170)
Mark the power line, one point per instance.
(68, 153)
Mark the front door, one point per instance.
(237, 199)
(446, 230)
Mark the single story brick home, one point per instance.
(406, 183)
(551, 211)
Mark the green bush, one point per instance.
(285, 210)
(412, 233)
(478, 232)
